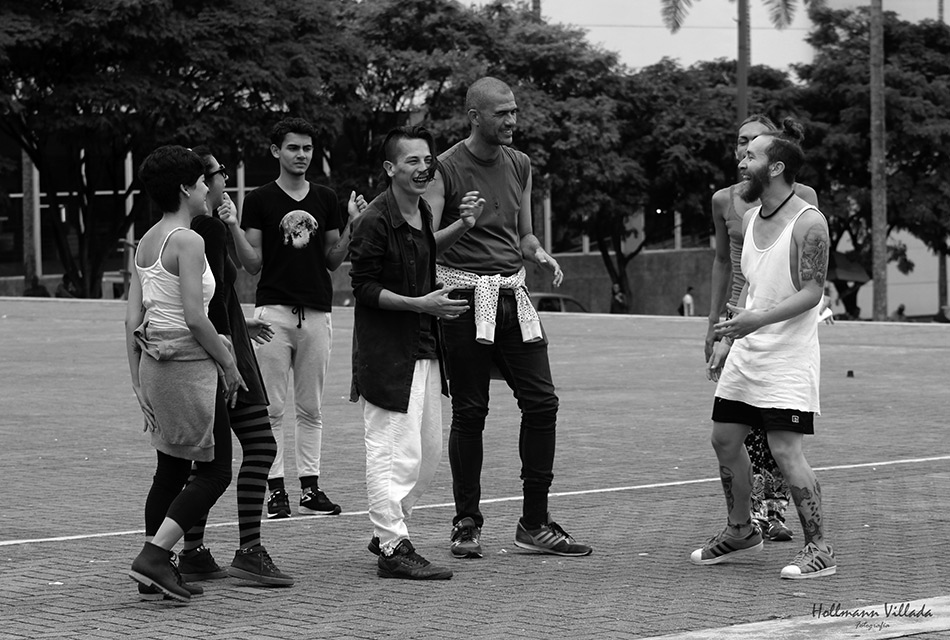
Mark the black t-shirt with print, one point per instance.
(293, 270)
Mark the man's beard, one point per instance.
(752, 188)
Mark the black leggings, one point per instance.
(188, 505)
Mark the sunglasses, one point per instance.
(221, 170)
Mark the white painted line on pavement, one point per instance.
(442, 505)
(829, 621)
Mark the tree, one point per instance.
(917, 71)
(82, 84)
(781, 13)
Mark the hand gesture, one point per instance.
(259, 331)
(716, 359)
(356, 206)
(742, 323)
(439, 304)
(544, 259)
(230, 377)
(471, 208)
(228, 212)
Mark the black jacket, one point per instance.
(384, 340)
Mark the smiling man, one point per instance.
(770, 379)
(500, 329)
(397, 350)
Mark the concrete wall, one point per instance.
(658, 281)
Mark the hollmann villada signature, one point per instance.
(886, 611)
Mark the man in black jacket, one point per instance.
(397, 350)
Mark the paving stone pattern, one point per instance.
(634, 478)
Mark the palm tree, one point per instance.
(781, 13)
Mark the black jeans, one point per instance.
(526, 369)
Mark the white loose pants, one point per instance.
(402, 454)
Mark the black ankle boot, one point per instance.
(153, 568)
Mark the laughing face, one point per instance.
(754, 170)
(496, 120)
(410, 171)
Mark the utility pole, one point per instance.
(878, 164)
(743, 63)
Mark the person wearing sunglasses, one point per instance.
(247, 411)
(175, 354)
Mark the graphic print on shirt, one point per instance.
(297, 227)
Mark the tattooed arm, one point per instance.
(809, 264)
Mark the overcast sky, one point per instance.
(635, 29)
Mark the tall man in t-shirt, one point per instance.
(292, 236)
(500, 328)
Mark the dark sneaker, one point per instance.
(314, 502)
(465, 539)
(549, 538)
(373, 545)
(278, 505)
(198, 565)
(152, 593)
(405, 563)
(811, 562)
(153, 567)
(723, 547)
(777, 531)
(255, 564)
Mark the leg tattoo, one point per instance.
(808, 503)
(726, 476)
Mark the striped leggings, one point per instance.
(252, 428)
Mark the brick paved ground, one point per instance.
(633, 459)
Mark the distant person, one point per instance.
(770, 378)
(175, 355)
(770, 493)
(500, 329)
(293, 236)
(898, 316)
(247, 412)
(687, 305)
(397, 350)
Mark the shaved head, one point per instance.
(482, 91)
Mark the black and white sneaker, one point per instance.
(314, 502)
(278, 505)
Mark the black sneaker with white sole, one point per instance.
(315, 502)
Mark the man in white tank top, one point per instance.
(770, 495)
(770, 379)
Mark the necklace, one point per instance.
(789, 197)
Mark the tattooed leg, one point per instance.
(804, 487)
(808, 502)
(735, 471)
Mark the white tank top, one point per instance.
(161, 293)
(779, 365)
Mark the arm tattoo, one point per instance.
(814, 258)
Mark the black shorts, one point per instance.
(766, 419)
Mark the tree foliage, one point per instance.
(835, 100)
(85, 82)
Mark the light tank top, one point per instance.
(779, 365)
(161, 293)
